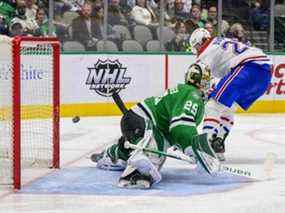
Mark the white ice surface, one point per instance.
(251, 138)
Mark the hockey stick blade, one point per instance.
(265, 174)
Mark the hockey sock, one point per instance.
(213, 111)
(227, 121)
(218, 119)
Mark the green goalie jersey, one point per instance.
(176, 114)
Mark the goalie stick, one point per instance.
(118, 101)
(265, 175)
(186, 158)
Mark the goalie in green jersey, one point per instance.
(157, 123)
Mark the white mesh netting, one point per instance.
(36, 106)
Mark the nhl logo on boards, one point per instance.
(106, 77)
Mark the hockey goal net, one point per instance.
(29, 106)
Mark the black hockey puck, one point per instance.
(75, 119)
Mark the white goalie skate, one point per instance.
(135, 180)
(140, 173)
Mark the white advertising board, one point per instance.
(140, 76)
(276, 91)
(177, 66)
(84, 77)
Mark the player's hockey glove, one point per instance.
(218, 145)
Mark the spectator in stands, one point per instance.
(111, 35)
(194, 20)
(85, 28)
(59, 30)
(213, 17)
(132, 3)
(167, 18)
(179, 43)
(279, 8)
(204, 13)
(178, 12)
(97, 4)
(41, 20)
(130, 21)
(62, 6)
(237, 33)
(188, 4)
(16, 29)
(170, 6)
(115, 15)
(29, 25)
(42, 3)
(31, 9)
(210, 28)
(143, 14)
(127, 11)
(20, 2)
(3, 26)
(279, 32)
(259, 16)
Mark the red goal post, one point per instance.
(29, 110)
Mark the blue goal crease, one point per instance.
(92, 181)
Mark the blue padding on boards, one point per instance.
(92, 181)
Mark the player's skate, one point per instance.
(218, 146)
(136, 180)
(106, 162)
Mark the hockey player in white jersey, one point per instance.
(244, 73)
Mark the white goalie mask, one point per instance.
(197, 38)
(199, 75)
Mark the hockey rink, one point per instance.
(79, 187)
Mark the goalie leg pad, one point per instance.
(139, 174)
(142, 168)
(143, 164)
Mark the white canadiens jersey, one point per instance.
(222, 54)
